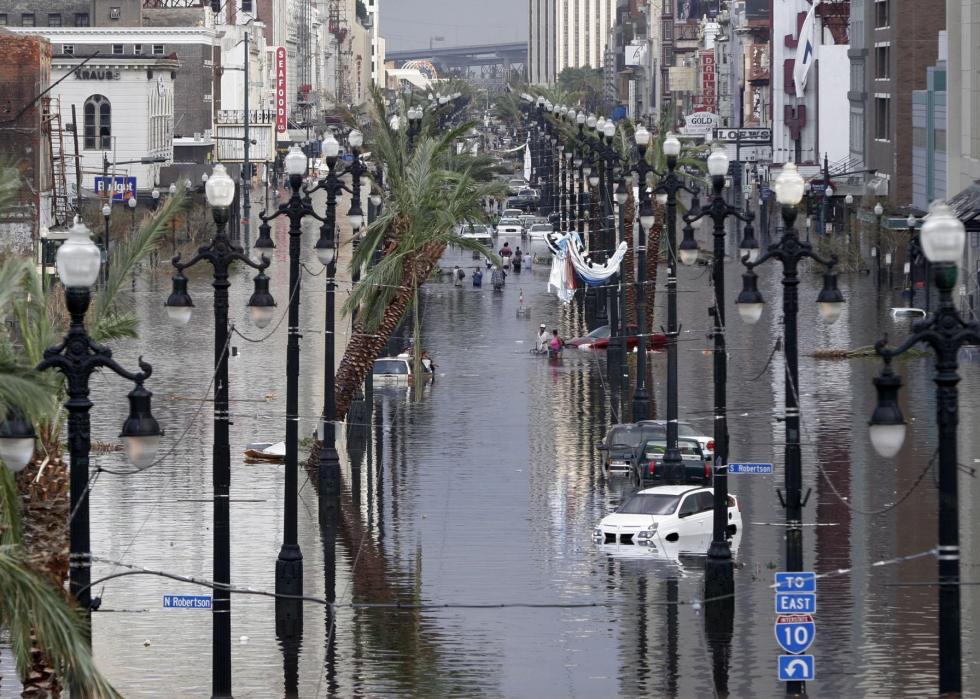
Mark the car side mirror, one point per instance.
(601, 447)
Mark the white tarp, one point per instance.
(571, 262)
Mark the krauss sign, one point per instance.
(281, 125)
(96, 74)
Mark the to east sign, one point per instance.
(187, 602)
(796, 582)
(795, 632)
(796, 603)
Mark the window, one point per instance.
(68, 49)
(883, 57)
(157, 49)
(3, 19)
(137, 49)
(81, 19)
(883, 121)
(54, 19)
(98, 123)
(27, 19)
(689, 506)
(117, 49)
(882, 13)
(706, 501)
(114, 13)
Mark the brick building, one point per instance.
(25, 71)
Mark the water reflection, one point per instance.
(488, 489)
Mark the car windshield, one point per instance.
(600, 332)
(654, 449)
(685, 429)
(650, 504)
(509, 222)
(390, 366)
(624, 436)
(541, 227)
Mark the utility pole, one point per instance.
(246, 168)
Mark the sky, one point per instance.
(409, 24)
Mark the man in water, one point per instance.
(541, 341)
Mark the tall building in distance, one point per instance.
(567, 34)
(541, 42)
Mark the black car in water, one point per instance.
(619, 448)
(647, 462)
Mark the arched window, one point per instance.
(98, 123)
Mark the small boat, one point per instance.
(266, 451)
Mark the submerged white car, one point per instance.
(673, 519)
(509, 227)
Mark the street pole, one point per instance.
(289, 564)
(942, 238)
(719, 577)
(671, 185)
(247, 170)
(641, 398)
(77, 357)
(221, 254)
(790, 250)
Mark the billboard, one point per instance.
(691, 10)
(123, 188)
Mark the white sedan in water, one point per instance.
(672, 519)
(510, 227)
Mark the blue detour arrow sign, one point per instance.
(796, 668)
(795, 632)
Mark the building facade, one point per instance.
(580, 33)
(929, 136)
(894, 42)
(542, 34)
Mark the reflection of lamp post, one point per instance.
(221, 254)
(173, 222)
(77, 357)
(790, 251)
(942, 238)
(106, 214)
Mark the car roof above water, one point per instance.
(670, 490)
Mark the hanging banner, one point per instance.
(527, 162)
(281, 125)
(804, 53)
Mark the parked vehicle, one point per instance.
(646, 464)
(479, 232)
(509, 227)
(516, 184)
(511, 213)
(619, 448)
(599, 339)
(675, 518)
(687, 429)
(395, 370)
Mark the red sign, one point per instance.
(708, 103)
(281, 89)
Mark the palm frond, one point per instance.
(29, 603)
(10, 531)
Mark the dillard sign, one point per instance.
(281, 125)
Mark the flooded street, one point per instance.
(486, 490)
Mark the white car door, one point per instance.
(690, 526)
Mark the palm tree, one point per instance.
(431, 191)
(50, 640)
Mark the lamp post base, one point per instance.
(289, 570)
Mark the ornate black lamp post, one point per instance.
(414, 124)
(77, 357)
(719, 577)
(641, 397)
(790, 251)
(289, 565)
(221, 253)
(670, 184)
(942, 238)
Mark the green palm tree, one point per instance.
(431, 190)
(48, 636)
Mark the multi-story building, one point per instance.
(542, 34)
(373, 8)
(893, 43)
(25, 72)
(929, 135)
(579, 34)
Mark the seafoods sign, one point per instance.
(281, 89)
